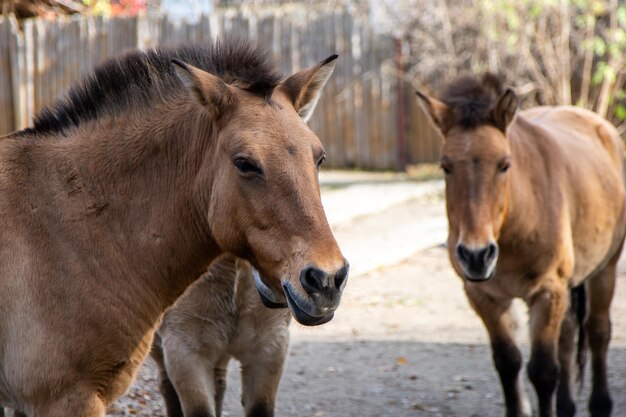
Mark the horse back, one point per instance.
(567, 124)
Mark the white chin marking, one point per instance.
(264, 289)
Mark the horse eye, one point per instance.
(321, 161)
(447, 169)
(504, 166)
(245, 166)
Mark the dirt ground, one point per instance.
(404, 341)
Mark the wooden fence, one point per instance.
(367, 118)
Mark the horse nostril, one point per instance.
(312, 279)
(341, 276)
(463, 253)
(477, 258)
(490, 252)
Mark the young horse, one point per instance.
(218, 318)
(535, 207)
(123, 193)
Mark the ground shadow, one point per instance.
(399, 379)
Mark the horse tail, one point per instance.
(579, 307)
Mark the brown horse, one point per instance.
(221, 317)
(123, 193)
(535, 207)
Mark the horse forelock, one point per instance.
(470, 100)
(140, 79)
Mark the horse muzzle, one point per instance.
(316, 300)
(477, 264)
(320, 295)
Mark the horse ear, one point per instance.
(436, 109)
(210, 91)
(504, 111)
(305, 87)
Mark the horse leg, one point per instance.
(260, 378)
(191, 374)
(598, 326)
(565, 405)
(547, 310)
(220, 383)
(501, 323)
(170, 397)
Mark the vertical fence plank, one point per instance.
(18, 76)
(39, 39)
(359, 112)
(265, 31)
(49, 60)
(334, 100)
(7, 124)
(286, 33)
(205, 29)
(29, 62)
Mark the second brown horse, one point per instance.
(535, 206)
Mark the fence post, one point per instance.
(6, 87)
(401, 126)
(18, 74)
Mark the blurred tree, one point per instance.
(127, 7)
(564, 51)
(44, 8)
(552, 51)
(51, 8)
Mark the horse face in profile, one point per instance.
(476, 161)
(265, 203)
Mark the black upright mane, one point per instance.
(141, 78)
(471, 99)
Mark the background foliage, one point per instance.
(551, 51)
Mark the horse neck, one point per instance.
(138, 180)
